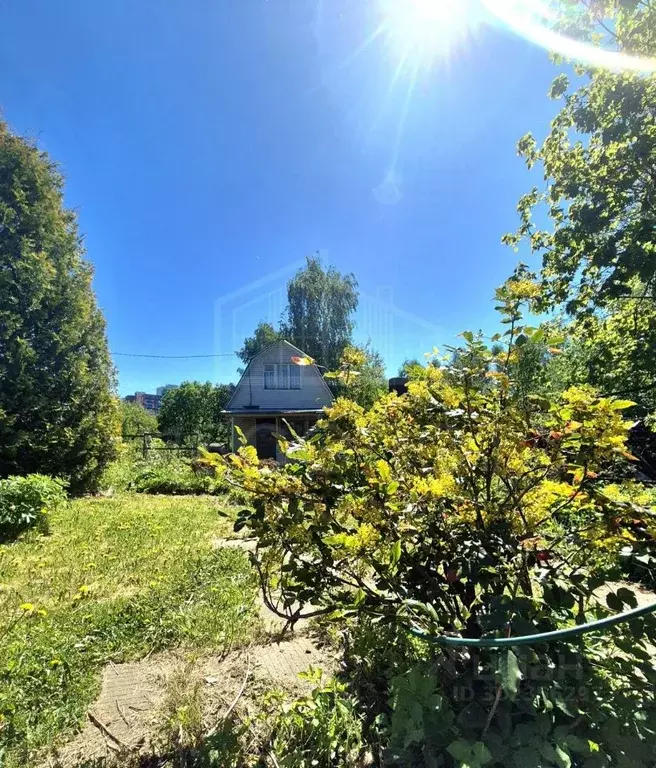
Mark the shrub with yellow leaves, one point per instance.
(453, 509)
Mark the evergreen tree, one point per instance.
(58, 415)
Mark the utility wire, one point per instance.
(172, 357)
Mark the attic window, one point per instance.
(294, 377)
(282, 376)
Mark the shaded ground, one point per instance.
(643, 596)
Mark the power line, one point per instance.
(172, 357)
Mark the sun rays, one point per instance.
(404, 44)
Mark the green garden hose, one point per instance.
(543, 637)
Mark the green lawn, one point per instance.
(114, 579)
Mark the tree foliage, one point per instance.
(136, 420)
(613, 351)
(57, 411)
(360, 376)
(408, 365)
(264, 336)
(598, 166)
(457, 508)
(319, 314)
(194, 410)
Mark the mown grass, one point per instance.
(114, 580)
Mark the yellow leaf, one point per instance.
(384, 471)
(620, 405)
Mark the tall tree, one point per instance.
(319, 315)
(58, 414)
(193, 410)
(136, 420)
(599, 167)
(598, 163)
(265, 335)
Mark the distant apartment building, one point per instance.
(151, 403)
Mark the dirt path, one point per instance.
(127, 716)
(643, 595)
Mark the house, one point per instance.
(276, 389)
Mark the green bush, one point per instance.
(463, 508)
(26, 501)
(160, 473)
(321, 730)
(174, 476)
(121, 472)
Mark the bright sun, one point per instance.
(425, 29)
(419, 32)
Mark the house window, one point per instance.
(294, 377)
(282, 376)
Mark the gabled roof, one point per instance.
(294, 352)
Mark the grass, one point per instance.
(115, 580)
(181, 713)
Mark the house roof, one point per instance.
(296, 352)
(256, 411)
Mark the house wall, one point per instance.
(247, 424)
(314, 392)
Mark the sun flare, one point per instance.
(425, 29)
(534, 21)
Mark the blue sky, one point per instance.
(209, 145)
